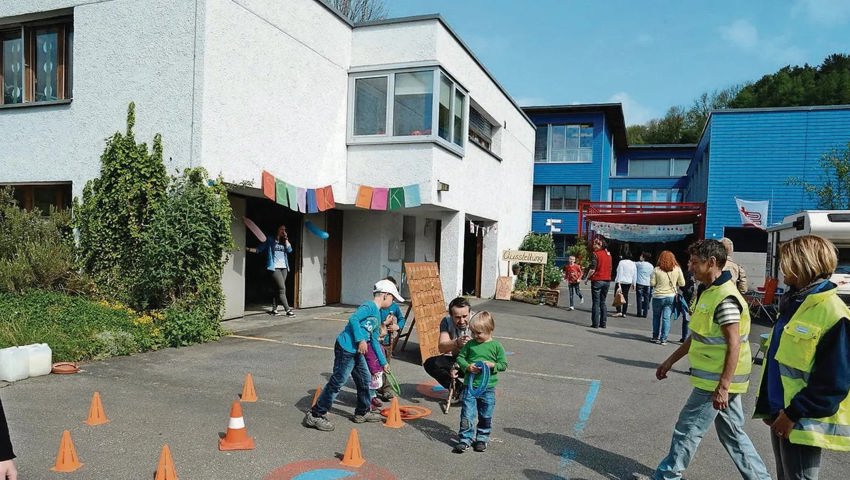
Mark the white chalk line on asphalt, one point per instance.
(262, 339)
(549, 375)
(535, 341)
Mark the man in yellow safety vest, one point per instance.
(719, 352)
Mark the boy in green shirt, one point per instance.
(481, 359)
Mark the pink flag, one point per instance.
(379, 198)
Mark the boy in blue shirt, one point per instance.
(350, 361)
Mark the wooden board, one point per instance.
(503, 288)
(429, 307)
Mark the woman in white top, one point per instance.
(665, 280)
(625, 280)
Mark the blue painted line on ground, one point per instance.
(568, 454)
(324, 474)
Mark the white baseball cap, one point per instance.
(386, 286)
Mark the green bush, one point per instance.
(529, 274)
(581, 251)
(36, 250)
(184, 325)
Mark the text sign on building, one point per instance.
(523, 256)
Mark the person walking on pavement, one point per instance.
(573, 273)
(277, 248)
(643, 267)
(719, 353)
(805, 381)
(626, 278)
(739, 275)
(666, 278)
(599, 275)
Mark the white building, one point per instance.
(292, 88)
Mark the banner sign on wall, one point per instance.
(630, 232)
(753, 214)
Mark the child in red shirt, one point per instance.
(573, 274)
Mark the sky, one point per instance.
(648, 55)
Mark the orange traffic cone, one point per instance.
(96, 415)
(236, 437)
(316, 396)
(394, 417)
(165, 468)
(66, 459)
(248, 392)
(352, 456)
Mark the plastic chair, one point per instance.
(761, 302)
(764, 344)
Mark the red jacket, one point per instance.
(573, 273)
(603, 266)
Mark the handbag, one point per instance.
(619, 298)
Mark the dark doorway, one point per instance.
(258, 284)
(333, 266)
(472, 246)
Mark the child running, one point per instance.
(350, 361)
(573, 273)
(481, 358)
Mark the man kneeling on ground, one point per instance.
(454, 333)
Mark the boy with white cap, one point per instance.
(349, 359)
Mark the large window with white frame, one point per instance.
(648, 195)
(36, 61)
(401, 105)
(567, 143)
(559, 197)
(659, 167)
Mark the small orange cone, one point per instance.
(352, 456)
(236, 437)
(165, 468)
(96, 415)
(66, 459)
(394, 417)
(316, 396)
(248, 392)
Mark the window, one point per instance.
(564, 143)
(480, 129)
(36, 62)
(659, 167)
(559, 197)
(648, 195)
(43, 197)
(412, 97)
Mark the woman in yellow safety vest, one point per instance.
(806, 374)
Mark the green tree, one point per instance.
(826, 84)
(117, 207)
(833, 193)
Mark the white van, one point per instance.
(833, 225)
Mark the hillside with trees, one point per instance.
(825, 84)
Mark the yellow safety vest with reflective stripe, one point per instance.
(796, 356)
(708, 346)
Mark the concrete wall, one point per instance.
(366, 237)
(124, 51)
(312, 268)
(233, 274)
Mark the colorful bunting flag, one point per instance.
(321, 204)
(364, 197)
(268, 185)
(312, 207)
(302, 199)
(411, 196)
(280, 193)
(379, 198)
(396, 198)
(329, 197)
(292, 195)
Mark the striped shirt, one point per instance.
(727, 312)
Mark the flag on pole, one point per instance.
(753, 213)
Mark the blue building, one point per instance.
(582, 154)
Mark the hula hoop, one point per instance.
(409, 412)
(393, 383)
(485, 379)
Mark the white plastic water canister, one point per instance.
(40, 359)
(14, 364)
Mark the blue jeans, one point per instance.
(795, 462)
(482, 406)
(599, 310)
(694, 421)
(345, 365)
(642, 294)
(662, 310)
(574, 290)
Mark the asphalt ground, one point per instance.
(575, 403)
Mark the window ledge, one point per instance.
(53, 103)
(451, 148)
(564, 163)
(487, 151)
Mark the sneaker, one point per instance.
(368, 417)
(290, 313)
(581, 300)
(571, 308)
(663, 342)
(479, 446)
(386, 395)
(319, 423)
(460, 448)
(275, 312)
(376, 403)
(603, 326)
(682, 340)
